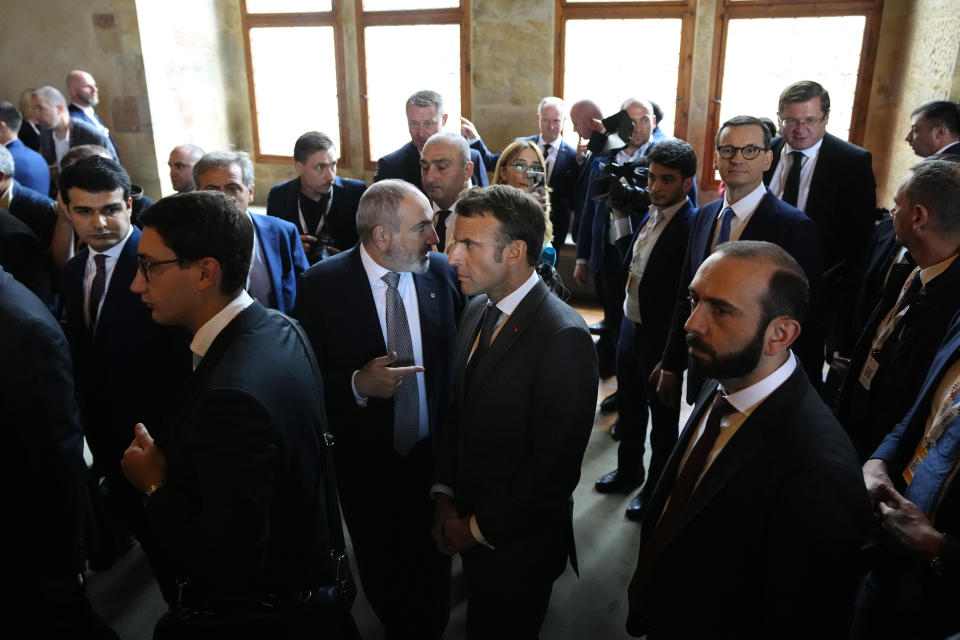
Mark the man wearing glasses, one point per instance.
(111, 335)
(747, 211)
(831, 181)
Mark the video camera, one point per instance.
(622, 187)
(619, 125)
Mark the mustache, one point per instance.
(694, 341)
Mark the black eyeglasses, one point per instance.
(147, 265)
(749, 152)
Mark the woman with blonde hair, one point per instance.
(521, 165)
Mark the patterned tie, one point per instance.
(792, 189)
(652, 223)
(490, 316)
(406, 400)
(724, 234)
(96, 290)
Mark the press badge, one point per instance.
(869, 370)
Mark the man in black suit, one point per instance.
(425, 117)
(234, 484)
(318, 201)
(755, 526)
(35, 210)
(832, 182)
(45, 500)
(386, 399)
(445, 169)
(935, 129)
(84, 96)
(22, 256)
(525, 393)
(111, 334)
(919, 300)
(652, 259)
(748, 211)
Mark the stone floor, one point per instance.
(591, 606)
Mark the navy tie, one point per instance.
(724, 234)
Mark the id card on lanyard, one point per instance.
(323, 218)
(889, 325)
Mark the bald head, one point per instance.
(181, 162)
(582, 115)
(82, 88)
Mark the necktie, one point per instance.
(96, 289)
(440, 223)
(652, 223)
(490, 316)
(792, 188)
(406, 400)
(547, 166)
(724, 234)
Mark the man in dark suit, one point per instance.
(234, 485)
(318, 202)
(562, 168)
(445, 169)
(935, 129)
(525, 392)
(22, 256)
(111, 334)
(278, 256)
(755, 526)
(385, 403)
(45, 500)
(35, 210)
(832, 182)
(425, 117)
(652, 259)
(912, 588)
(84, 96)
(748, 211)
(31, 169)
(901, 336)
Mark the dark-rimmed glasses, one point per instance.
(147, 265)
(749, 152)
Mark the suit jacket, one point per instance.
(96, 122)
(868, 416)
(283, 202)
(29, 135)
(35, 210)
(243, 512)
(286, 260)
(81, 132)
(513, 445)
(22, 257)
(773, 221)
(404, 164)
(30, 169)
(952, 150)
(767, 545)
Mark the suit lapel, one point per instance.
(757, 227)
(429, 308)
(469, 325)
(123, 274)
(668, 237)
(267, 237)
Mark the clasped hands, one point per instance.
(451, 531)
(899, 518)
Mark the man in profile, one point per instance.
(181, 161)
(935, 129)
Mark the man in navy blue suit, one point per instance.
(748, 211)
(425, 117)
(84, 96)
(278, 256)
(935, 128)
(35, 210)
(31, 169)
(384, 404)
(318, 201)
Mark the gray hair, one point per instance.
(379, 204)
(6, 162)
(426, 98)
(50, 95)
(935, 184)
(551, 101)
(453, 138)
(225, 160)
(195, 151)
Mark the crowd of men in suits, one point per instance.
(460, 391)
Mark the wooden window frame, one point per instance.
(686, 10)
(455, 15)
(744, 9)
(333, 18)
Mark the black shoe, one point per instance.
(615, 431)
(617, 482)
(637, 507)
(597, 327)
(609, 404)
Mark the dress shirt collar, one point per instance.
(746, 205)
(668, 213)
(809, 152)
(747, 399)
(375, 271)
(509, 303)
(939, 151)
(931, 272)
(113, 252)
(90, 113)
(555, 144)
(211, 329)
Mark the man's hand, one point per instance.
(467, 130)
(581, 149)
(308, 242)
(907, 524)
(875, 475)
(667, 384)
(443, 510)
(377, 379)
(580, 273)
(456, 535)
(143, 463)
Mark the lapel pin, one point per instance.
(432, 295)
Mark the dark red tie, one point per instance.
(96, 289)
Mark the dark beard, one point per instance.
(728, 366)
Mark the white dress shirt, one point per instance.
(742, 210)
(779, 180)
(641, 255)
(259, 284)
(206, 334)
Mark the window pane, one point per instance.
(288, 103)
(765, 55)
(395, 70)
(288, 6)
(621, 76)
(404, 5)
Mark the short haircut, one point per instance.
(50, 95)
(745, 121)
(451, 137)
(675, 154)
(788, 292)
(378, 206)
(770, 125)
(205, 224)
(939, 113)
(803, 91)
(224, 160)
(935, 184)
(6, 162)
(82, 151)
(309, 143)
(551, 101)
(519, 214)
(657, 111)
(426, 98)
(10, 116)
(196, 152)
(94, 174)
(646, 104)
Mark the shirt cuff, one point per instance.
(361, 400)
(621, 227)
(475, 530)
(470, 141)
(581, 261)
(440, 489)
